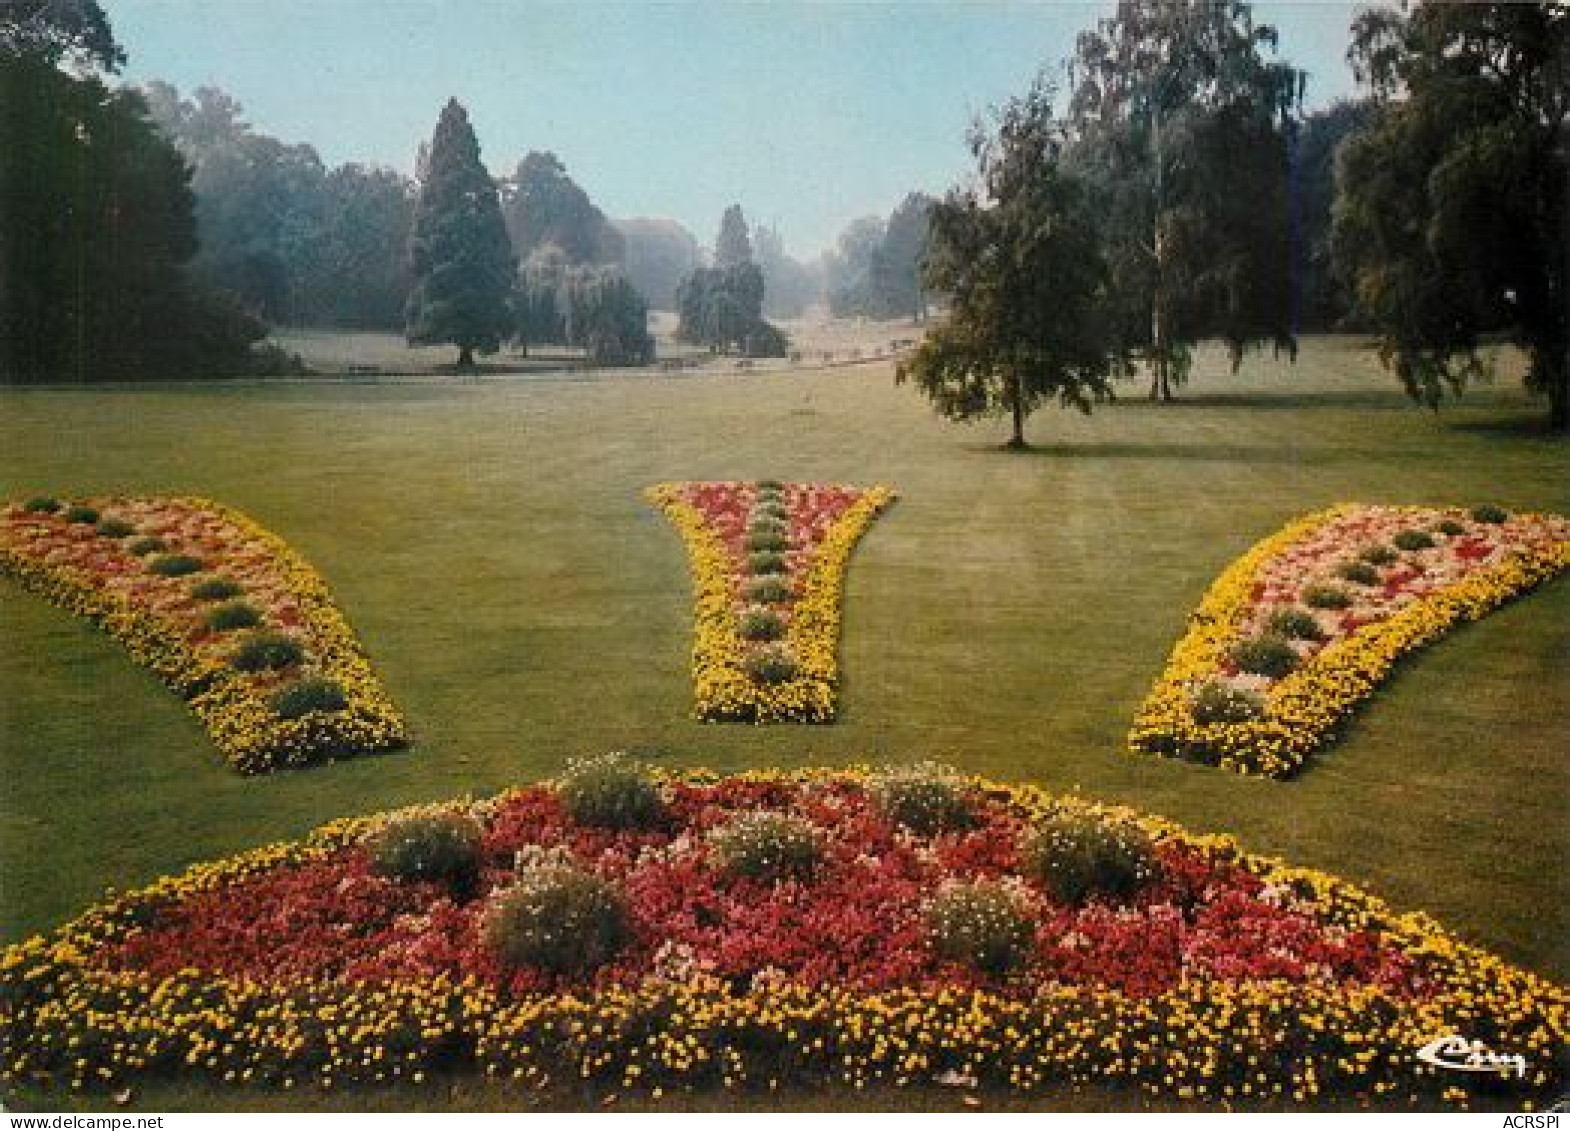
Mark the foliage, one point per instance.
(768, 590)
(981, 925)
(1450, 528)
(766, 561)
(732, 247)
(659, 255)
(1490, 514)
(1217, 702)
(558, 918)
(437, 847)
(99, 290)
(611, 791)
(876, 270)
(216, 589)
(56, 32)
(1453, 206)
(1018, 257)
(232, 615)
(267, 652)
(546, 209)
(308, 695)
(1413, 540)
(773, 664)
(1323, 303)
(1294, 624)
(114, 528)
(174, 565)
(41, 504)
(1077, 856)
(1377, 555)
(1180, 122)
(925, 798)
(591, 308)
(1323, 596)
(760, 624)
(81, 514)
(768, 847)
(1267, 654)
(459, 252)
(722, 308)
(789, 287)
(1360, 572)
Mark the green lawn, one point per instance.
(524, 604)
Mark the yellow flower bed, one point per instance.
(723, 688)
(70, 1021)
(1304, 709)
(235, 706)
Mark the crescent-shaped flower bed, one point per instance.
(225, 613)
(1296, 633)
(695, 931)
(768, 563)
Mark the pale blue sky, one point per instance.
(808, 114)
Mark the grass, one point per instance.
(524, 605)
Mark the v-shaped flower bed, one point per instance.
(810, 927)
(1306, 625)
(768, 562)
(225, 613)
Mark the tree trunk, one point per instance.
(465, 359)
(1559, 401)
(1160, 376)
(1017, 404)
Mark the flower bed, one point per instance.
(768, 563)
(1201, 972)
(1305, 626)
(225, 613)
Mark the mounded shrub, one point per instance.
(232, 615)
(611, 791)
(1413, 540)
(1294, 624)
(771, 589)
(87, 516)
(765, 540)
(925, 798)
(435, 847)
(1378, 555)
(308, 696)
(174, 565)
(1266, 654)
(767, 524)
(768, 847)
(760, 624)
(146, 544)
(1326, 597)
(773, 664)
(1450, 528)
(980, 925)
(1359, 572)
(41, 504)
(114, 528)
(1077, 856)
(558, 918)
(216, 589)
(1490, 514)
(267, 651)
(764, 562)
(1216, 702)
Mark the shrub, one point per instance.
(1360, 572)
(1450, 528)
(557, 918)
(1326, 597)
(767, 524)
(215, 589)
(772, 511)
(925, 798)
(77, 513)
(1413, 540)
(771, 665)
(1076, 856)
(267, 651)
(114, 528)
(309, 695)
(1266, 654)
(770, 589)
(1378, 555)
(1489, 514)
(610, 791)
(768, 847)
(1216, 702)
(147, 544)
(174, 565)
(760, 624)
(436, 847)
(765, 540)
(770, 487)
(981, 925)
(1294, 624)
(41, 504)
(766, 562)
(232, 615)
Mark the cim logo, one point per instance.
(1461, 1055)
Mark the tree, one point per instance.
(1180, 123)
(732, 247)
(1452, 218)
(850, 267)
(789, 287)
(355, 271)
(59, 31)
(721, 307)
(544, 206)
(459, 255)
(582, 306)
(1323, 301)
(897, 268)
(659, 255)
(1019, 259)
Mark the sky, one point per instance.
(807, 114)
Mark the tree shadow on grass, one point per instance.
(1192, 452)
(1290, 401)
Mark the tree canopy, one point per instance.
(659, 255)
(544, 207)
(875, 271)
(459, 254)
(59, 31)
(1018, 256)
(722, 308)
(732, 247)
(1452, 217)
(1180, 123)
